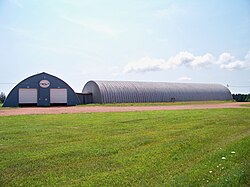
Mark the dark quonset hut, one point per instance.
(41, 90)
(128, 92)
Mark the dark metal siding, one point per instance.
(80, 98)
(85, 98)
(126, 92)
(43, 93)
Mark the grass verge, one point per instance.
(153, 148)
(160, 103)
(247, 105)
(6, 108)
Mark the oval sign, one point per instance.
(44, 83)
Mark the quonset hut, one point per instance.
(137, 92)
(41, 90)
(44, 89)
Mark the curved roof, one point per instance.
(128, 91)
(33, 82)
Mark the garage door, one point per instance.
(27, 96)
(58, 95)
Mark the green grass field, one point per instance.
(156, 148)
(145, 104)
(247, 105)
(161, 103)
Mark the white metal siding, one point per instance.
(58, 95)
(27, 95)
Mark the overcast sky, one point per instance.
(206, 41)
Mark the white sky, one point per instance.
(147, 40)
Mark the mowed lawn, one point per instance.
(160, 103)
(247, 105)
(157, 148)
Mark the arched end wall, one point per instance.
(44, 90)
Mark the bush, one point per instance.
(2, 97)
(241, 97)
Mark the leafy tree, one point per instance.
(2, 97)
(241, 97)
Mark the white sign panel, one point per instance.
(44, 83)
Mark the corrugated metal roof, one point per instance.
(128, 91)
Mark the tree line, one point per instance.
(241, 97)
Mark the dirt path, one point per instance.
(91, 109)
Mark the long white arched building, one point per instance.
(131, 92)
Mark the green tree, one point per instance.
(241, 97)
(2, 97)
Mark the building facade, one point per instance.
(41, 90)
(44, 90)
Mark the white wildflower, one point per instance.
(223, 158)
(233, 152)
(210, 171)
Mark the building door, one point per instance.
(88, 98)
(58, 96)
(27, 96)
(43, 97)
